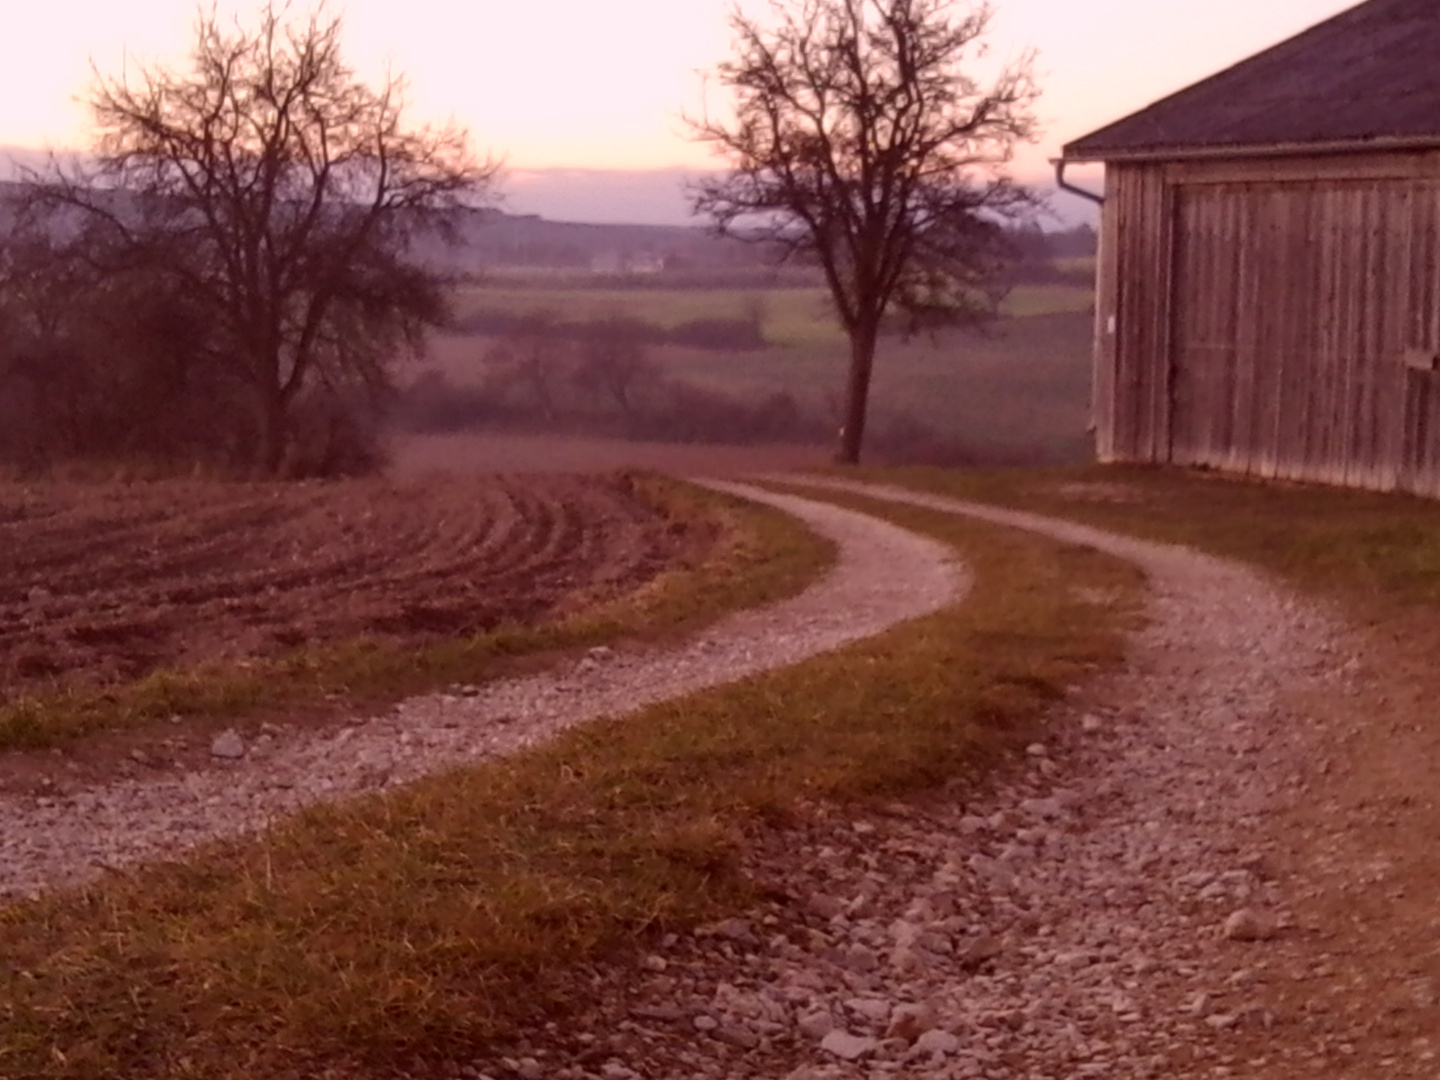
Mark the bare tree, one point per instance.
(283, 197)
(615, 362)
(860, 142)
(534, 358)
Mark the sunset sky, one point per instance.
(600, 84)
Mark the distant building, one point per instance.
(1269, 282)
(626, 262)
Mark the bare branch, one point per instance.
(862, 143)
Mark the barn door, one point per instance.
(1291, 306)
(1247, 289)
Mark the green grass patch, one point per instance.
(422, 923)
(1030, 300)
(790, 317)
(660, 307)
(757, 554)
(1018, 392)
(1083, 264)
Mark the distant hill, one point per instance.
(494, 239)
(617, 196)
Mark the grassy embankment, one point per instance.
(750, 554)
(423, 922)
(1019, 390)
(1377, 554)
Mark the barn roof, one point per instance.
(1368, 77)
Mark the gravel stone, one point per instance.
(937, 1041)
(1248, 925)
(228, 745)
(817, 1024)
(737, 1035)
(846, 1046)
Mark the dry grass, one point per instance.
(1371, 551)
(420, 924)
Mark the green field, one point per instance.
(791, 316)
(1018, 390)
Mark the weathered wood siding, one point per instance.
(1134, 291)
(1274, 318)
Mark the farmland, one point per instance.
(113, 582)
(140, 616)
(1015, 391)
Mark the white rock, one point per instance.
(846, 1046)
(937, 1041)
(816, 1024)
(227, 745)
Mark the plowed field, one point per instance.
(100, 584)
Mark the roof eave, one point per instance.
(1078, 155)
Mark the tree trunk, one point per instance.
(857, 395)
(274, 433)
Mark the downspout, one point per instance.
(1065, 185)
(1104, 325)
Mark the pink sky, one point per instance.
(586, 84)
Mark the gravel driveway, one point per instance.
(1119, 907)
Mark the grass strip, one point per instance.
(748, 555)
(417, 925)
(1368, 549)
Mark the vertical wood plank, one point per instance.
(1108, 272)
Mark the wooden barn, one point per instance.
(1269, 281)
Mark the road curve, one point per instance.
(883, 575)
